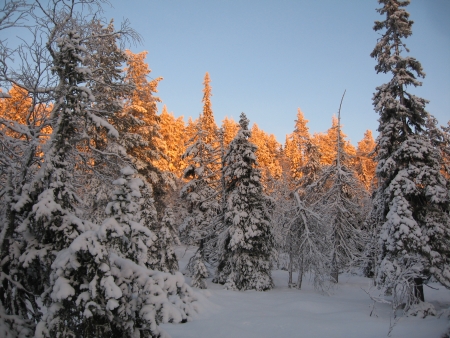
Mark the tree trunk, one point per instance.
(375, 266)
(334, 269)
(290, 269)
(300, 273)
(418, 289)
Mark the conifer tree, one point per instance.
(364, 162)
(138, 125)
(200, 192)
(313, 167)
(101, 283)
(280, 190)
(56, 260)
(17, 106)
(267, 152)
(104, 57)
(413, 202)
(191, 129)
(328, 146)
(202, 155)
(173, 134)
(48, 204)
(296, 143)
(247, 243)
(43, 208)
(167, 238)
(230, 129)
(200, 270)
(207, 116)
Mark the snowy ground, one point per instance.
(284, 312)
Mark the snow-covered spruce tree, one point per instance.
(167, 238)
(43, 201)
(105, 59)
(369, 259)
(338, 197)
(203, 158)
(312, 169)
(247, 243)
(201, 195)
(200, 270)
(101, 286)
(49, 202)
(296, 143)
(200, 192)
(415, 226)
(138, 125)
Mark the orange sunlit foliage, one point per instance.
(230, 129)
(207, 118)
(191, 128)
(364, 162)
(173, 133)
(141, 104)
(19, 109)
(295, 146)
(327, 143)
(267, 152)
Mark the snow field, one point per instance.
(284, 312)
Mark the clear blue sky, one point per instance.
(266, 58)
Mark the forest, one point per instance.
(98, 189)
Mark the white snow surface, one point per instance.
(284, 312)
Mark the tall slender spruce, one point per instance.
(412, 198)
(247, 242)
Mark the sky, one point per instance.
(268, 58)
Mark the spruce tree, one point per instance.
(167, 238)
(328, 146)
(104, 57)
(207, 116)
(296, 143)
(412, 198)
(247, 242)
(202, 155)
(138, 125)
(101, 283)
(44, 210)
(364, 162)
(174, 136)
(200, 192)
(49, 203)
(230, 129)
(200, 270)
(267, 153)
